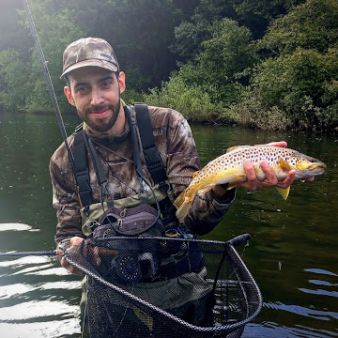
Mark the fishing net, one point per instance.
(165, 287)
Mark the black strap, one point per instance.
(151, 153)
(81, 168)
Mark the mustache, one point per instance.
(97, 108)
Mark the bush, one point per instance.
(302, 84)
(193, 102)
(251, 113)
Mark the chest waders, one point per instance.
(131, 216)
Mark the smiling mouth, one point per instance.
(101, 113)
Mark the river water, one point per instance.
(293, 252)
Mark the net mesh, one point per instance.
(165, 287)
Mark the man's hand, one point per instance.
(73, 242)
(253, 183)
(92, 253)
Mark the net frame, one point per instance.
(239, 275)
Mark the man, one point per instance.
(94, 85)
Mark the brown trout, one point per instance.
(228, 168)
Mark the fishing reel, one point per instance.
(128, 268)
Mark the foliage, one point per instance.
(314, 26)
(55, 31)
(13, 80)
(303, 85)
(251, 112)
(222, 64)
(301, 79)
(258, 14)
(264, 63)
(253, 14)
(193, 101)
(139, 30)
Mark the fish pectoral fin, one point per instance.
(183, 211)
(204, 190)
(179, 200)
(284, 192)
(284, 164)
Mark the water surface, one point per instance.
(293, 252)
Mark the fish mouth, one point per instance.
(317, 166)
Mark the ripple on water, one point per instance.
(53, 328)
(302, 311)
(14, 227)
(33, 310)
(270, 329)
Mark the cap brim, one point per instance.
(91, 63)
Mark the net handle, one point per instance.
(239, 240)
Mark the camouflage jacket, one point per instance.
(176, 145)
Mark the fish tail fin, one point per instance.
(284, 192)
(183, 210)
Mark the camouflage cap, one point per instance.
(85, 52)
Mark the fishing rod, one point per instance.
(49, 82)
(59, 119)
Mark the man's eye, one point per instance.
(82, 89)
(106, 83)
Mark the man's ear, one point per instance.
(122, 81)
(69, 95)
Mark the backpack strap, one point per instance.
(151, 153)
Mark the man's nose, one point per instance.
(97, 97)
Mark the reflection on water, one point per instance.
(293, 253)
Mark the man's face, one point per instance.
(95, 92)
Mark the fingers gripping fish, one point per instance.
(228, 168)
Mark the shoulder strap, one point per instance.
(154, 161)
(151, 153)
(81, 168)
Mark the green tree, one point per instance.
(139, 30)
(258, 14)
(312, 25)
(13, 80)
(302, 84)
(222, 65)
(300, 78)
(55, 30)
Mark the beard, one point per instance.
(103, 125)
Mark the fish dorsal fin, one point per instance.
(236, 148)
(284, 192)
(285, 166)
(194, 174)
